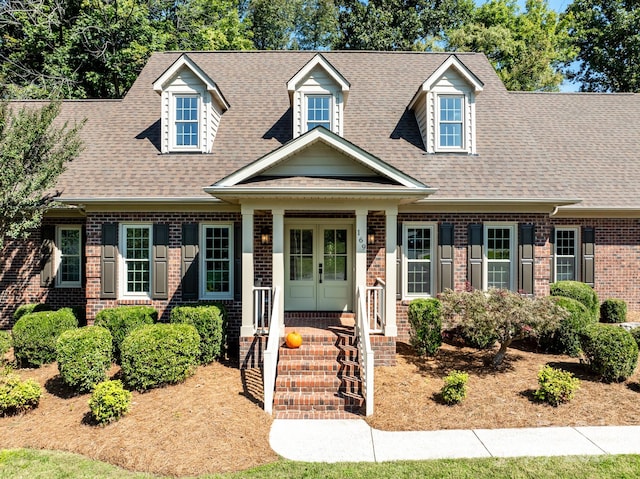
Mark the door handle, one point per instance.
(320, 272)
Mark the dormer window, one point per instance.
(318, 111)
(186, 121)
(450, 125)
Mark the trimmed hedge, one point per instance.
(209, 321)
(613, 311)
(635, 332)
(425, 318)
(15, 395)
(35, 336)
(30, 308)
(455, 387)
(611, 351)
(122, 320)
(158, 354)
(109, 402)
(84, 356)
(581, 292)
(565, 339)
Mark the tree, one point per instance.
(273, 23)
(33, 153)
(607, 35)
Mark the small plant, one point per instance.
(556, 386)
(109, 402)
(455, 387)
(30, 308)
(611, 351)
(209, 321)
(122, 320)
(5, 343)
(17, 396)
(613, 311)
(425, 318)
(581, 292)
(635, 332)
(84, 356)
(565, 339)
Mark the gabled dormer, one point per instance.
(318, 93)
(445, 108)
(191, 108)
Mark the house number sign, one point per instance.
(362, 241)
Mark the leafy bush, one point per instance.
(455, 387)
(84, 356)
(611, 351)
(122, 320)
(5, 343)
(635, 332)
(30, 308)
(565, 339)
(209, 321)
(581, 292)
(35, 335)
(15, 395)
(556, 386)
(157, 354)
(613, 311)
(425, 318)
(109, 402)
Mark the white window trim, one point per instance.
(513, 260)
(122, 277)
(173, 95)
(202, 280)
(405, 259)
(464, 98)
(305, 108)
(576, 257)
(58, 257)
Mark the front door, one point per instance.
(318, 267)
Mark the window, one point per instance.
(69, 254)
(499, 256)
(450, 124)
(565, 254)
(186, 121)
(216, 262)
(135, 247)
(418, 260)
(318, 111)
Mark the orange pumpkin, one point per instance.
(293, 340)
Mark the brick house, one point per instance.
(221, 175)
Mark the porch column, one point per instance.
(361, 249)
(247, 272)
(391, 229)
(278, 261)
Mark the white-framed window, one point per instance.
(499, 256)
(318, 111)
(566, 254)
(135, 256)
(186, 122)
(450, 119)
(69, 256)
(216, 261)
(418, 258)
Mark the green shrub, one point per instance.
(5, 343)
(635, 332)
(84, 356)
(455, 387)
(613, 311)
(109, 402)
(611, 351)
(565, 339)
(30, 308)
(581, 292)
(35, 335)
(157, 354)
(425, 318)
(209, 321)
(122, 320)
(556, 386)
(15, 395)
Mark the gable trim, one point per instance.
(318, 60)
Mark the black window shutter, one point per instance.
(445, 257)
(160, 269)
(474, 256)
(47, 273)
(399, 262)
(526, 248)
(552, 256)
(189, 261)
(237, 261)
(109, 261)
(83, 256)
(588, 255)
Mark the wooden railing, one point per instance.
(270, 363)
(262, 308)
(376, 306)
(365, 353)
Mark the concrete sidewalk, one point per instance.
(313, 440)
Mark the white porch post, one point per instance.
(391, 227)
(278, 260)
(361, 248)
(247, 328)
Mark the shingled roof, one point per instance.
(530, 146)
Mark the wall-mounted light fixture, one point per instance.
(371, 237)
(264, 235)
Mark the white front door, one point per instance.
(318, 266)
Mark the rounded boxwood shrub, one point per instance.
(425, 318)
(109, 402)
(209, 321)
(30, 308)
(613, 311)
(635, 332)
(455, 387)
(556, 386)
(157, 354)
(565, 339)
(122, 320)
(581, 292)
(16, 395)
(611, 351)
(84, 356)
(35, 335)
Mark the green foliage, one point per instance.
(613, 311)
(109, 402)
(84, 356)
(209, 321)
(35, 336)
(455, 387)
(635, 332)
(580, 292)
(565, 339)
(5, 343)
(15, 395)
(611, 351)
(158, 354)
(556, 386)
(121, 320)
(30, 308)
(425, 318)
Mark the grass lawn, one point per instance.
(32, 464)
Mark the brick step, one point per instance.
(326, 401)
(307, 366)
(311, 351)
(308, 383)
(352, 413)
(322, 336)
